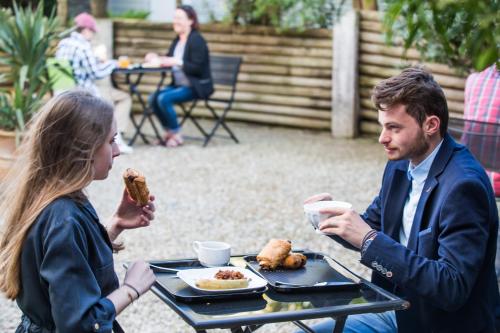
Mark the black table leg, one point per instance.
(134, 91)
(303, 326)
(339, 324)
(147, 112)
(248, 329)
(138, 131)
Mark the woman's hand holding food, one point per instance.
(130, 216)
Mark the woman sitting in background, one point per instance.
(188, 56)
(56, 258)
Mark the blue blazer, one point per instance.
(447, 272)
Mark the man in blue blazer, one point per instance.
(430, 234)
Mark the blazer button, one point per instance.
(383, 270)
(374, 264)
(388, 274)
(96, 327)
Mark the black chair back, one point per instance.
(224, 72)
(482, 139)
(225, 69)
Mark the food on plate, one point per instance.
(135, 183)
(221, 284)
(229, 275)
(273, 254)
(294, 261)
(224, 279)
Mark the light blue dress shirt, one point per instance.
(418, 175)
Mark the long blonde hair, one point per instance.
(55, 160)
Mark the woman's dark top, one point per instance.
(67, 270)
(196, 64)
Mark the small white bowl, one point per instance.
(311, 210)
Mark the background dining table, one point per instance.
(133, 76)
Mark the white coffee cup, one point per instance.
(212, 254)
(312, 211)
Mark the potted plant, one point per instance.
(26, 38)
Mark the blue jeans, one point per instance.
(163, 102)
(384, 322)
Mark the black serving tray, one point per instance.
(170, 283)
(317, 269)
(236, 305)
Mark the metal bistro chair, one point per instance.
(482, 139)
(225, 72)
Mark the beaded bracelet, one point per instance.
(133, 288)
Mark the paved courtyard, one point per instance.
(242, 194)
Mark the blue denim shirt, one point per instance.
(67, 270)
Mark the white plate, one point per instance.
(190, 276)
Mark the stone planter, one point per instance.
(7, 151)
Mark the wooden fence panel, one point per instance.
(378, 61)
(285, 79)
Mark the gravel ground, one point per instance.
(243, 194)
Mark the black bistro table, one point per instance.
(246, 314)
(133, 77)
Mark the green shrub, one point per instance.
(131, 14)
(284, 14)
(464, 34)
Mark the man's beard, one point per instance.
(420, 147)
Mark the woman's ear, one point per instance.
(431, 125)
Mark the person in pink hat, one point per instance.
(88, 68)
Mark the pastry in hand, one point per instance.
(136, 186)
(273, 254)
(294, 261)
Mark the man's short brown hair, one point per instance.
(416, 89)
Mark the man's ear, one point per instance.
(431, 125)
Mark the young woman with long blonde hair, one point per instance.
(56, 257)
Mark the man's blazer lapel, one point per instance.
(393, 213)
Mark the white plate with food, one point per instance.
(217, 280)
